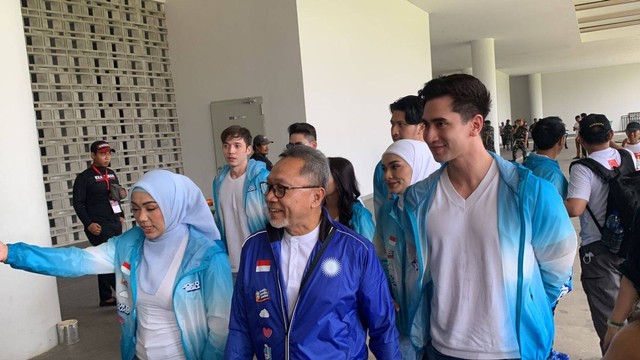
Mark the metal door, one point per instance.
(246, 112)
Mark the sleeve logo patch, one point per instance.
(192, 286)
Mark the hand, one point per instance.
(4, 251)
(611, 332)
(94, 228)
(396, 307)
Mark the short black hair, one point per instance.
(470, 96)
(236, 131)
(412, 106)
(305, 129)
(547, 132)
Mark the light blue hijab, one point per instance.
(182, 205)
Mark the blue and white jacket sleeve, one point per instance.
(376, 309)
(554, 241)
(218, 290)
(239, 344)
(63, 262)
(362, 222)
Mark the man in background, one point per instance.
(101, 216)
(302, 134)
(261, 150)
(240, 206)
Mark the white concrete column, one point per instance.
(30, 307)
(535, 96)
(483, 60)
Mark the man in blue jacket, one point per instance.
(240, 206)
(494, 243)
(548, 138)
(308, 287)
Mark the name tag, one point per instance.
(115, 206)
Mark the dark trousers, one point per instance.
(601, 281)
(106, 282)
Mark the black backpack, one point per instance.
(623, 198)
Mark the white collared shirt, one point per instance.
(294, 256)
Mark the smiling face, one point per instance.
(236, 152)
(400, 129)
(447, 135)
(397, 173)
(298, 211)
(148, 215)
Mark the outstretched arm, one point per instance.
(63, 262)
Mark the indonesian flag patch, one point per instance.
(263, 266)
(126, 268)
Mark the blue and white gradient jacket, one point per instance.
(400, 264)
(201, 294)
(548, 169)
(538, 244)
(254, 203)
(343, 296)
(362, 221)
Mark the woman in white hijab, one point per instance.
(404, 163)
(173, 279)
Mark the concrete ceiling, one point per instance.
(535, 36)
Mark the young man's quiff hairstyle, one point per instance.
(236, 131)
(412, 106)
(307, 130)
(470, 96)
(547, 132)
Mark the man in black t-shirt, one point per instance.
(261, 150)
(101, 216)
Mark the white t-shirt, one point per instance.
(294, 256)
(635, 149)
(469, 317)
(234, 217)
(586, 185)
(157, 333)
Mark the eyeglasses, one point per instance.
(280, 190)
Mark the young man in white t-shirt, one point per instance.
(495, 244)
(239, 203)
(600, 276)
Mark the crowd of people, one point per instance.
(467, 258)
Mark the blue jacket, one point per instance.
(361, 221)
(201, 295)
(548, 169)
(399, 262)
(254, 202)
(538, 245)
(341, 297)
